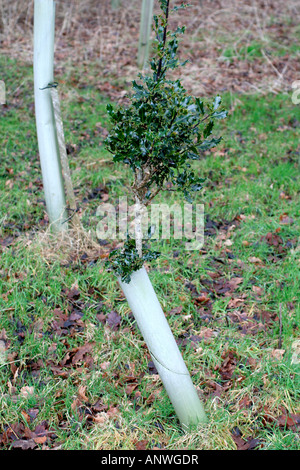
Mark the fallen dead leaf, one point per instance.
(257, 290)
(40, 440)
(24, 444)
(25, 416)
(113, 320)
(253, 259)
(176, 310)
(141, 445)
(112, 411)
(27, 391)
(236, 302)
(105, 365)
(81, 393)
(278, 353)
(234, 282)
(289, 421)
(101, 418)
(242, 444)
(207, 333)
(285, 219)
(202, 299)
(75, 404)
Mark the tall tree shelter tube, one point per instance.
(44, 20)
(163, 348)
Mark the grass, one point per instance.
(253, 50)
(71, 357)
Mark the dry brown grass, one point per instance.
(212, 436)
(90, 31)
(65, 246)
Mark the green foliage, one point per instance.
(164, 128)
(127, 260)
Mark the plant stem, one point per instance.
(138, 227)
(138, 218)
(164, 41)
(63, 157)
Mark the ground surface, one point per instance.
(75, 373)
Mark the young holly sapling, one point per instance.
(158, 136)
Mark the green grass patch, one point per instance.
(75, 373)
